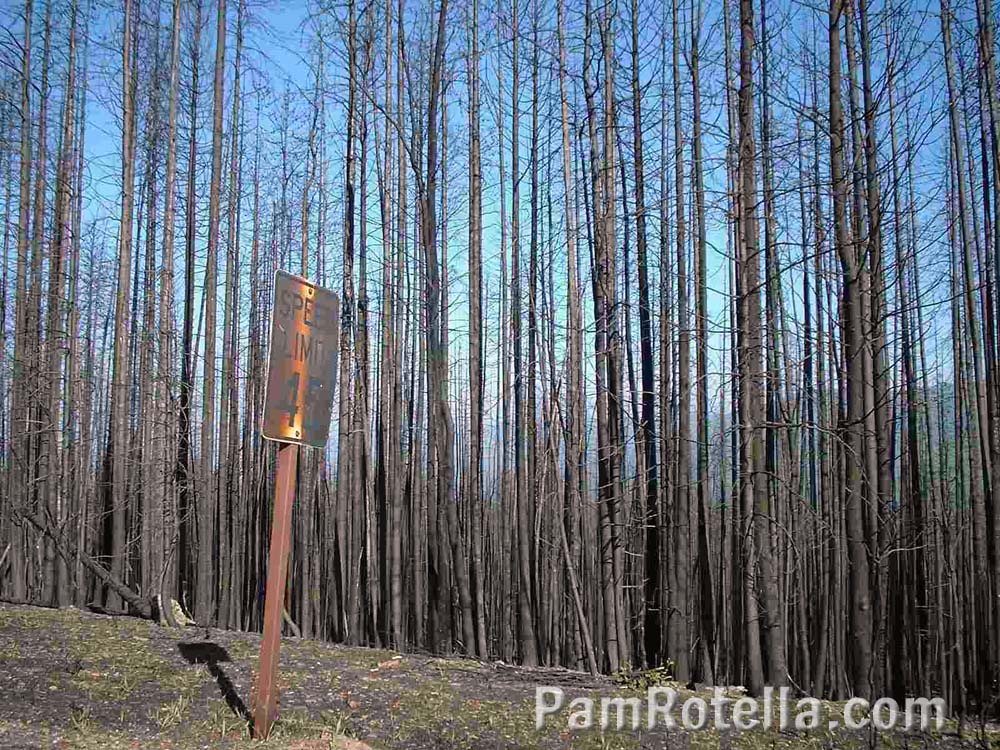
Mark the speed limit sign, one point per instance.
(302, 362)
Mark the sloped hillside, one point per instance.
(71, 679)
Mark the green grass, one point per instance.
(121, 683)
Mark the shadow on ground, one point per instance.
(211, 655)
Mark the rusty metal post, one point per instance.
(265, 708)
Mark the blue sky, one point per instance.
(280, 50)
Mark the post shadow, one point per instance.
(211, 655)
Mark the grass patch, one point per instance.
(243, 650)
(662, 676)
(439, 715)
(115, 658)
(223, 723)
(361, 658)
(95, 737)
(171, 714)
(456, 665)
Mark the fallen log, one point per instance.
(141, 606)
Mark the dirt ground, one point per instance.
(72, 679)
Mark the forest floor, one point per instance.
(72, 679)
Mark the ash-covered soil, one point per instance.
(72, 679)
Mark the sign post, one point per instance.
(277, 570)
(301, 377)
